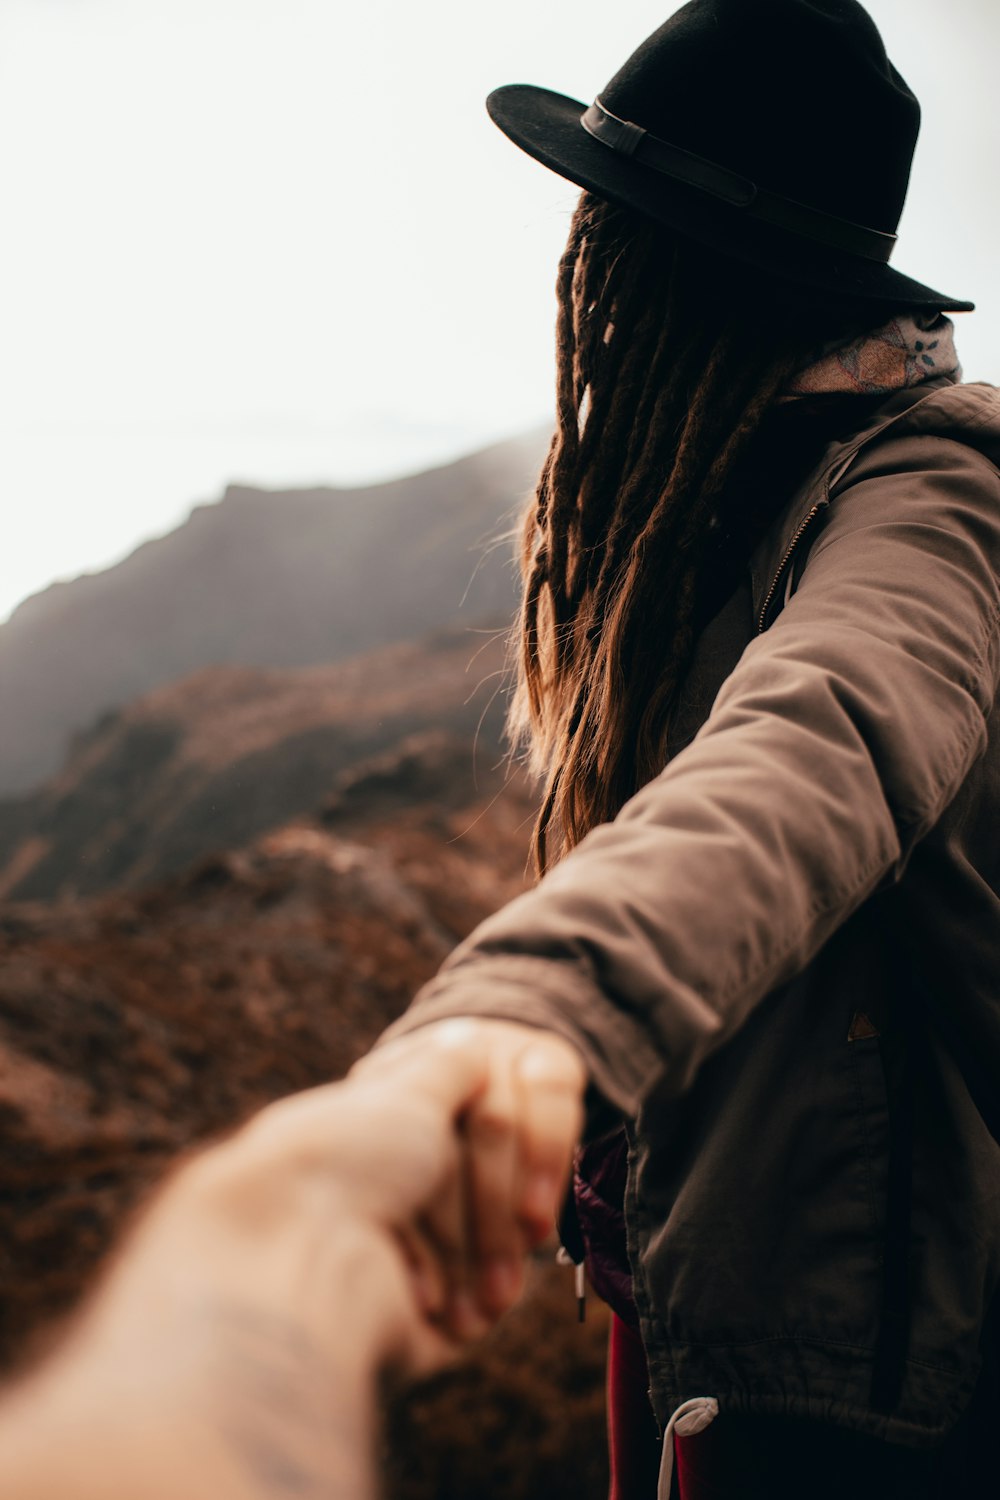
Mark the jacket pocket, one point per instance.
(868, 1078)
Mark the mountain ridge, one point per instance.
(228, 753)
(262, 578)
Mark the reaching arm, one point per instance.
(835, 744)
(231, 1353)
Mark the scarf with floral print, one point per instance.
(910, 348)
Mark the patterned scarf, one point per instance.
(910, 348)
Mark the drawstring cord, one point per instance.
(563, 1258)
(573, 1250)
(691, 1417)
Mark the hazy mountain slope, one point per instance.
(262, 579)
(214, 760)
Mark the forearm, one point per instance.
(263, 1418)
(233, 1350)
(221, 1387)
(56, 1443)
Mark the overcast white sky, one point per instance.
(279, 241)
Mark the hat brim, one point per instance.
(547, 126)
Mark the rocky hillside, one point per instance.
(212, 761)
(263, 579)
(134, 1025)
(131, 1026)
(285, 799)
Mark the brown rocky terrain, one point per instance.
(284, 800)
(134, 1024)
(216, 759)
(264, 579)
(137, 1023)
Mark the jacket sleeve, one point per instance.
(834, 745)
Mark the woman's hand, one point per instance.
(467, 1245)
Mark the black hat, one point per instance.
(775, 131)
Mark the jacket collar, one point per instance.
(766, 563)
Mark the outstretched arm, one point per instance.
(232, 1351)
(833, 747)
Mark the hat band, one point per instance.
(633, 141)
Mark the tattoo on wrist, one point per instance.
(281, 1418)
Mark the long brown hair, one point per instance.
(667, 359)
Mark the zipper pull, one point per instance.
(563, 1258)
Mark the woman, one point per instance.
(757, 672)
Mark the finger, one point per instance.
(497, 1243)
(427, 1274)
(387, 1132)
(422, 1348)
(429, 1350)
(448, 1061)
(445, 1226)
(410, 1343)
(549, 1078)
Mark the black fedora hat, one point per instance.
(775, 131)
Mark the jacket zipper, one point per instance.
(810, 518)
(799, 533)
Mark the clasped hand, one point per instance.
(366, 1224)
(515, 1094)
(399, 1204)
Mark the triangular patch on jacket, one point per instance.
(861, 1026)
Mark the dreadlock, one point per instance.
(667, 360)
